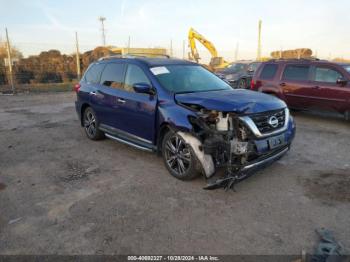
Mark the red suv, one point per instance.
(306, 84)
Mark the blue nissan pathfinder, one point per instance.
(185, 113)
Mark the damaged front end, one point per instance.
(235, 143)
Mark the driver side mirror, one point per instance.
(342, 81)
(144, 88)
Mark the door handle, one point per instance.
(282, 84)
(316, 87)
(121, 101)
(93, 93)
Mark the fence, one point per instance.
(53, 67)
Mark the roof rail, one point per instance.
(133, 55)
(295, 59)
(149, 55)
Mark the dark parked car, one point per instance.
(306, 84)
(184, 112)
(239, 74)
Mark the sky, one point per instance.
(38, 25)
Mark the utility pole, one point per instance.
(77, 55)
(102, 19)
(171, 47)
(129, 45)
(258, 57)
(236, 51)
(9, 58)
(183, 49)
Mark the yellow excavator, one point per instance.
(216, 62)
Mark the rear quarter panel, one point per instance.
(270, 86)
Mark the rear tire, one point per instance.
(179, 158)
(91, 124)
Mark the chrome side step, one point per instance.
(128, 143)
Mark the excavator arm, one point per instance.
(216, 62)
(193, 35)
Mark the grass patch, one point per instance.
(38, 88)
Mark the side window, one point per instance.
(326, 75)
(296, 72)
(268, 71)
(134, 74)
(92, 76)
(112, 76)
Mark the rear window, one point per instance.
(268, 71)
(92, 76)
(296, 72)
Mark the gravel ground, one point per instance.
(61, 193)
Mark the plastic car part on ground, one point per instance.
(205, 160)
(328, 250)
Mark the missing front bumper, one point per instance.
(230, 179)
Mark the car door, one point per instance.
(104, 97)
(138, 112)
(90, 84)
(296, 85)
(327, 93)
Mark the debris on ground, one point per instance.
(12, 221)
(92, 169)
(328, 249)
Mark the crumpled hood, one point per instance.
(235, 100)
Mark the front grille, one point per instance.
(262, 120)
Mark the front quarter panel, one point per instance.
(177, 117)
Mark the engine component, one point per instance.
(222, 122)
(238, 147)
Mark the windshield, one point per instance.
(347, 68)
(253, 66)
(234, 68)
(188, 79)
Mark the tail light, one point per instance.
(76, 87)
(252, 84)
(255, 85)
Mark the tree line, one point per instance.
(47, 67)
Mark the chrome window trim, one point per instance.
(250, 123)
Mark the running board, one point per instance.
(128, 143)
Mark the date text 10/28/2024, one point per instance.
(173, 258)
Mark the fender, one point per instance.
(175, 116)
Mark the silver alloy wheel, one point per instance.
(90, 124)
(177, 155)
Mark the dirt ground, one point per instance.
(61, 193)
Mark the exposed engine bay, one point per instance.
(221, 140)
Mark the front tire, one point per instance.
(91, 124)
(179, 157)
